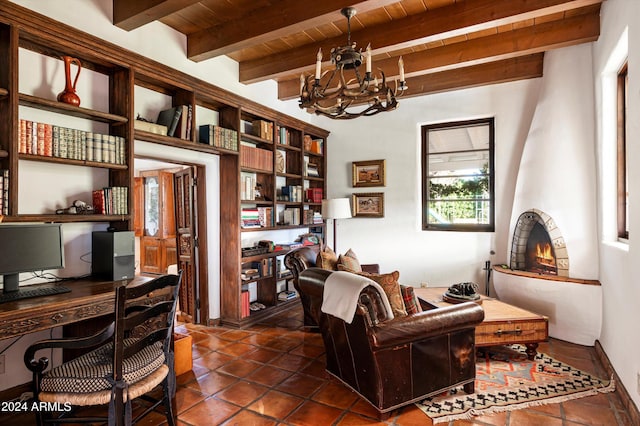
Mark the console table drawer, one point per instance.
(510, 332)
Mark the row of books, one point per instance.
(256, 217)
(262, 129)
(219, 137)
(290, 216)
(244, 304)
(111, 200)
(55, 141)
(292, 193)
(283, 296)
(256, 158)
(248, 187)
(4, 191)
(177, 120)
(315, 146)
(283, 135)
(313, 195)
(310, 217)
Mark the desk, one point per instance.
(89, 298)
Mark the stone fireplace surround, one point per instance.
(524, 225)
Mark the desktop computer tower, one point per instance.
(113, 255)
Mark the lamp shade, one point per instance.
(336, 208)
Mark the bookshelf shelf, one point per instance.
(181, 143)
(62, 108)
(3, 92)
(69, 161)
(66, 218)
(255, 139)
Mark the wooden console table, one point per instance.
(503, 324)
(89, 298)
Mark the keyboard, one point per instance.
(27, 293)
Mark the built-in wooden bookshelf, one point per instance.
(125, 72)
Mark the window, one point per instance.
(623, 192)
(457, 176)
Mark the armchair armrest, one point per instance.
(426, 324)
(66, 343)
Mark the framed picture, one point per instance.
(368, 173)
(369, 204)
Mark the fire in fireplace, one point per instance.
(539, 253)
(538, 246)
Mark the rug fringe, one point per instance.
(552, 400)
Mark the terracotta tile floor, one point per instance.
(273, 374)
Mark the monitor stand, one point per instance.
(10, 283)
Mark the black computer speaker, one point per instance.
(113, 255)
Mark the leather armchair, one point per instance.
(302, 258)
(395, 362)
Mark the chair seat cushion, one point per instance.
(92, 372)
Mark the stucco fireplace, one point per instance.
(552, 264)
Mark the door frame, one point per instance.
(201, 264)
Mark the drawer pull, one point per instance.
(516, 332)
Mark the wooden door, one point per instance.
(186, 242)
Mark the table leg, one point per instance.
(531, 350)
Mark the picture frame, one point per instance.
(368, 173)
(368, 204)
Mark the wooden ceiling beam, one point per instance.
(266, 24)
(504, 71)
(524, 41)
(432, 25)
(130, 15)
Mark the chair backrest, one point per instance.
(148, 322)
(301, 258)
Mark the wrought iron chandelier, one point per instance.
(361, 95)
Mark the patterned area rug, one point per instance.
(507, 380)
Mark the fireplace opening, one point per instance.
(539, 255)
(538, 245)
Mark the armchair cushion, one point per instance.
(391, 286)
(327, 259)
(349, 262)
(411, 303)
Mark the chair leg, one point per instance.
(168, 401)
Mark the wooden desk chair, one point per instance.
(135, 355)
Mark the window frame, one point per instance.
(426, 226)
(621, 163)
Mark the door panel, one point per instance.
(186, 238)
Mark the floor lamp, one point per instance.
(336, 208)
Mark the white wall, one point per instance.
(620, 33)
(396, 241)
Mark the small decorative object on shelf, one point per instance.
(78, 207)
(68, 95)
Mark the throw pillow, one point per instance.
(411, 303)
(327, 259)
(391, 287)
(349, 262)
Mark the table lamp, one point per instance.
(336, 208)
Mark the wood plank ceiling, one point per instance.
(445, 44)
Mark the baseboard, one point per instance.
(625, 398)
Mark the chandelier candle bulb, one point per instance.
(401, 66)
(368, 59)
(318, 64)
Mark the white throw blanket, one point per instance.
(341, 292)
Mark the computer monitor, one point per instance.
(29, 248)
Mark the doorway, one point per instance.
(168, 219)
